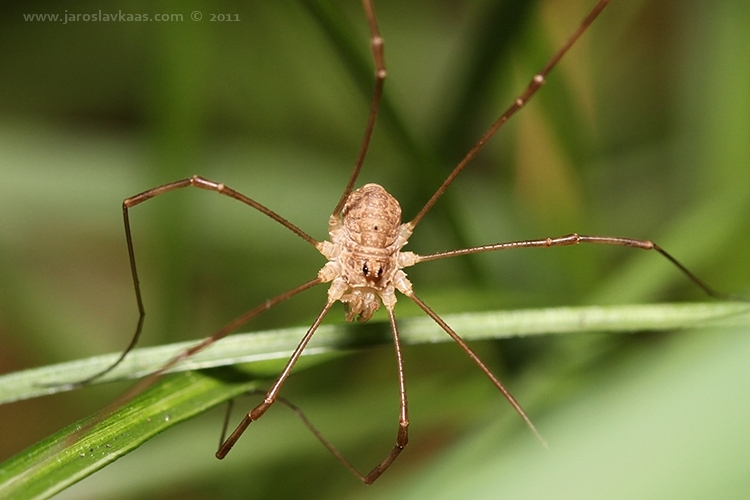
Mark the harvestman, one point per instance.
(365, 261)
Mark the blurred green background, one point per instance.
(643, 131)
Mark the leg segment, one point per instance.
(273, 392)
(575, 239)
(203, 183)
(376, 44)
(480, 364)
(146, 382)
(402, 437)
(536, 82)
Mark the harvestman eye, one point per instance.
(366, 226)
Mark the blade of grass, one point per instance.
(279, 344)
(66, 457)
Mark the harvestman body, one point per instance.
(365, 262)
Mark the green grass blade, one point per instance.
(66, 457)
(279, 344)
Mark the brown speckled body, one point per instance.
(372, 217)
(364, 254)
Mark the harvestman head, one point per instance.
(365, 263)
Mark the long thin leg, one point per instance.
(273, 392)
(402, 437)
(376, 44)
(146, 382)
(536, 82)
(195, 181)
(575, 239)
(479, 363)
(203, 183)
